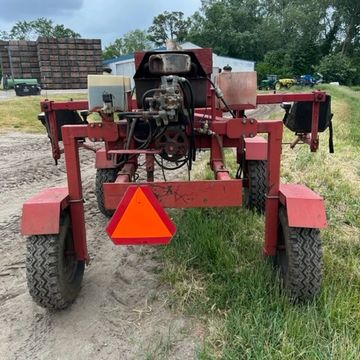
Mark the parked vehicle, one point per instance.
(273, 83)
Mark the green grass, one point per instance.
(218, 274)
(20, 113)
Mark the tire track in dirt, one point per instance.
(122, 310)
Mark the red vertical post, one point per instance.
(72, 163)
(314, 145)
(275, 130)
(54, 135)
(213, 104)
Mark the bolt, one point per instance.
(251, 135)
(252, 121)
(243, 121)
(92, 125)
(100, 125)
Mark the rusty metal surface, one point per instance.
(183, 194)
(169, 63)
(238, 88)
(237, 128)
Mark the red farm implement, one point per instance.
(179, 108)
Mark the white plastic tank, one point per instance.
(117, 85)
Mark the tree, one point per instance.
(169, 26)
(132, 41)
(114, 50)
(337, 67)
(135, 40)
(237, 28)
(4, 35)
(31, 30)
(349, 11)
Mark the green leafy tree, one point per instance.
(337, 67)
(297, 32)
(114, 50)
(349, 11)
(135, 40)
(31, 30)
(169, 26)
(237, 28)
(132, 41)
(4, 35)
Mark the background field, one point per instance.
(20, 113)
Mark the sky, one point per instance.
(98, 19)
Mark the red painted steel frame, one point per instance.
(41, 213)
(223, 132)
(316, 97)
(274, 130)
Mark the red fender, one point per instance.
(256, 148)
(305, 208)
(41, 214)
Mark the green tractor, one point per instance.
(268, 83)
(273, 83)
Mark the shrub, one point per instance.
(337, 67)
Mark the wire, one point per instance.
(162, 169)
(222, 98)
(161, 164)
(147, 92)
(191, 111)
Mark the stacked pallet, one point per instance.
(24, 59)
(56, 63)
(66, 63)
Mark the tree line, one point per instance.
(284, 37)
(41, 27)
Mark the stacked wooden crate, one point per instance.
(24, 59)
(65, 63)
(56, 63)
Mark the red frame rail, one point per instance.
(222, 133)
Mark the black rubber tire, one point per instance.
(255, 194)
(299, 259)
(104, 176)
(54, 276)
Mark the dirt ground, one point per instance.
(122, 310)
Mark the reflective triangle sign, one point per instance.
(140, 219)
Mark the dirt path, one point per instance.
(121, 312)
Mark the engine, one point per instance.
(166, 85)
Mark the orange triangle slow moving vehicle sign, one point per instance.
(140, 219)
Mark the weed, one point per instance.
(217, 272)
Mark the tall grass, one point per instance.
(218, 274)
